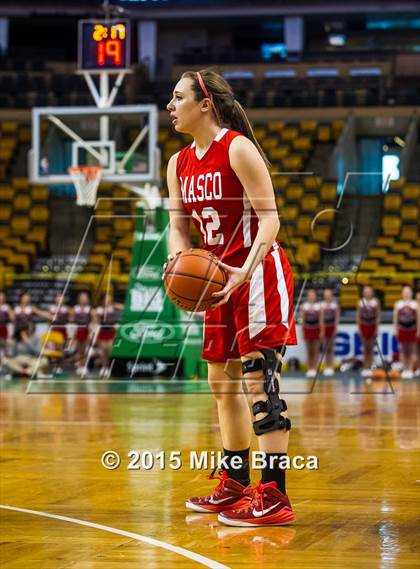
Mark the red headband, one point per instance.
(203, 86)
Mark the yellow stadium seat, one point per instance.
(6, 193)
(409, 233)
(391, 225)
(324, 133)
(39, 214)
(20, 225)
(293, 163)
(312, 182)
(280, 202)
(337, 127)
(377, 252)
(397, 184)
(39, 193)
(162, 135)
(290, 212)
(279, 152)
(20, 183)
(38, 236)
(309, 203)
(321, 233)
(385, 241)
(281, 181)
(304, 143)
(303, 226)
(328, 192)
(294, 193)
(369, 265)
(392, 202)
(122, 226)
(289, 133)
(9, 127)
(411, 192)
(410, 265)
(275, 126)
(401, 247)
(5, 213)
(22, 202)
(270, 142)
(259, 132)
(20, 260)
(308, 126)
(410, 213)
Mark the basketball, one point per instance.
(378, 374)
(192, 277)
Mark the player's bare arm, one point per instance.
(252, 172)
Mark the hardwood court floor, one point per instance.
(360, 509)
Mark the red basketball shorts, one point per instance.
(368, 330)
(259, 314)
(330, 331)
(106, 334)
(406, 336)
(311, 333)
(82, 333)
(3, 331)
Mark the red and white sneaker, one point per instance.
(229, 493)
(268, 507)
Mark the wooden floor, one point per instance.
(360, 509)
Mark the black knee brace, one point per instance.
(274, 406)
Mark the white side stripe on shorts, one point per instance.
(246, 221)
(282, 290)
(256, 306)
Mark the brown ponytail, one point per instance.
(227, 110)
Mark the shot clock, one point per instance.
(104, 45)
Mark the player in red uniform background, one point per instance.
(330, 318)
(368, 316)
(6, 316)
(222, 181)
(311, 330)
(405, 323)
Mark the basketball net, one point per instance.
(86, 181)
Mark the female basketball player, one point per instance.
(221, 180)
(81, 315)
(405, 323)
(368, 316)
(311, 326)
(6, 316)
(330, 317)
(106, 316)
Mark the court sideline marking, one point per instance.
(138, 537)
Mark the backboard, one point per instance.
(120, 139)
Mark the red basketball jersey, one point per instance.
(216, 200)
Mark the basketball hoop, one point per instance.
(86, 181)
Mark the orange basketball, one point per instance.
(192, 277)
(394, 374)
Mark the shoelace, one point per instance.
(222, 477)
(256, 494)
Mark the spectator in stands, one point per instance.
(81, 315)
(23, 313)
(6, 316)
(311, 325)
(368, 317)
(58, 315)
(106, 316)
(405, 322)
(25, 360)
(330, 317)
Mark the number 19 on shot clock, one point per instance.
(104, 45)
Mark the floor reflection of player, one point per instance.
(222, 182)
(330, 317)
(311, 324)
(368, 316)
(106, 316)
(405, 322)
(81, 315)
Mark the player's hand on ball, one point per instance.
(170, 257)
(236, 277)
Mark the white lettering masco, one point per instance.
(154, 337)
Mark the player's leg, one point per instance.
(329, 355)
(271, 505)
(225, 380)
